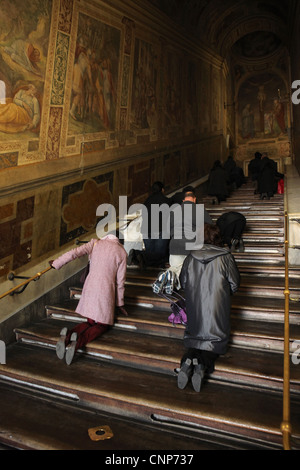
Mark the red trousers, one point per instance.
(86, 332)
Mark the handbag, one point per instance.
(280, 186)
(178, 315)
(177, 304)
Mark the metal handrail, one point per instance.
(25, 283)
(286, 423)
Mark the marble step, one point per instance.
(149, 396)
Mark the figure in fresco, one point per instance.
(81, 73)
(247, 122)
(109, 92)
(269, 123)
(95, 75)
(140, 99)
(25, 55)
(143, 105)
(279, 115)
(261, 96)
(23, 113)
(24, 43)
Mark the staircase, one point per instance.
(126, 379)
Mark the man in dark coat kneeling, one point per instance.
(209, 276)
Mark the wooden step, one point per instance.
(149, 396)
(30, 421)
(252, 368)
(242, 304)
(255, 284)
(127, 378)
(259, 334)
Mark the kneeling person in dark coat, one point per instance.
(232, 225)
(209, 276)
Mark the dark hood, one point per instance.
(208, 253)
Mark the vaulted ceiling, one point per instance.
(222, 24)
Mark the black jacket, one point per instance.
(178, 245)
(154, 199)
(209, 276)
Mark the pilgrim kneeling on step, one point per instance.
(209, 277)
(103, 290)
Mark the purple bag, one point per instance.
(178, 315)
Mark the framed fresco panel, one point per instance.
(93, 77)
(24, 44)
(263, 111)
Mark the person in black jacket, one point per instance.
(156, 251)
(184, 224)
(254, 169)
(209, 276)
(218, 182)
(232, 225)
(268, 177)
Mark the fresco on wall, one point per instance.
(172, 89)
(191, 101)
(262, 108)
(144, 82)
(204, 101)
(95, 77)
(24, 36)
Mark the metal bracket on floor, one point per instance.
(100, 433)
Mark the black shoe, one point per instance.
(234, 244)
(198, 375)
(184, 374)
(131, 257)
(140, 260)
(241, 247)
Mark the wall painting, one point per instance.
(24, 40)
(262, 108)
(95, 76)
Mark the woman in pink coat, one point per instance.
(103, 290)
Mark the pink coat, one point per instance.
(105, 284)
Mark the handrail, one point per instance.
(286, 423)
(25, 283)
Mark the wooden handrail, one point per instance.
(286, 423)
(25, 283)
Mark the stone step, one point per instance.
(149, 396)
